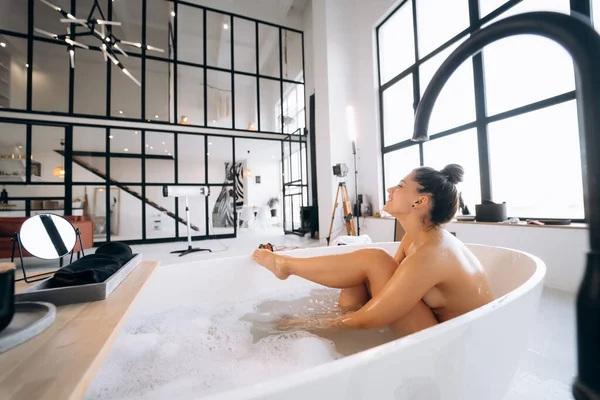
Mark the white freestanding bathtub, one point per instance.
(472, 357)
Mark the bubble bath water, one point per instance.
(197, 350)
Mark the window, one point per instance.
(526, 111)
(460, 148)
(398, 114)
(396, 43)
(544, 181)
(398, 164)
(293, 108)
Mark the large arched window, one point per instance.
(508, 115)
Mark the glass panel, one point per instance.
(220, 160)
(268, 51)
(218, 40)
(160, 164)
(487, 6)
(560, 6)
(448, 17)
(525, 69)
(39, 197)
(13, 16)
(159, 14)
(219, 99)
(129, 13)
(190, 94)
(126, 99)
(13, 140)
(90, 83)
(46, 151)
(221, 210)
(291, 51)
(398, 113)
(396, 43)
(596, 14)
(244, 33)
(13, 72)
(262, 178)
(532, 191)
(126, 155)
(245, 102)
(197, 206)
(459, 148)
(270, 105)
(89, 167)
(190, 158)
(46, 18)
(50, 77)
(455, 105)
(159, 224)
(400, 163)
(293, 107)
(159, 93)
(127, 215)
(190, 34)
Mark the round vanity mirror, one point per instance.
(47, 236)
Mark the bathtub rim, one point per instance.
(273, 385)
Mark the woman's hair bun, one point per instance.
(454, 173)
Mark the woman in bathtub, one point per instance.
(432, 278)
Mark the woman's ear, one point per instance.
(423, 201)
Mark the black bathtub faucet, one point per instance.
(582, 42)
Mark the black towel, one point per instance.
(93, 268)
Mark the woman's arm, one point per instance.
(408, 286)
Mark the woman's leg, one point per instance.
(354, 298)
(340, 271)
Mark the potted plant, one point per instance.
(272, 203)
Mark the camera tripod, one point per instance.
(347, 207)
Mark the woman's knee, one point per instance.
(376, 256)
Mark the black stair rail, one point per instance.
(126, 189)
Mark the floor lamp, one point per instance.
(187, 191)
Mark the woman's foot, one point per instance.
(272, 262)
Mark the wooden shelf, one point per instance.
(61, 362)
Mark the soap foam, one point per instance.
(200, 350)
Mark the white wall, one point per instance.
(344, 75)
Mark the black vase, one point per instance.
(273, 212)
(7, 297)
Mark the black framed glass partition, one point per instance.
(168, 62)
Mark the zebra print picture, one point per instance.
(224, 209)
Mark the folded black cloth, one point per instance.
(93, 268)
(117, 249)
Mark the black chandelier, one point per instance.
(101, 29)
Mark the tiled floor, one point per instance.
(546, 371)
(550, 365)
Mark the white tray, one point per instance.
(81, 293)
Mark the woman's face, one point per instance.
(402, 197)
